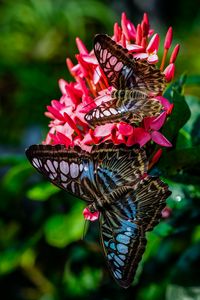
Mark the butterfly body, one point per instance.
(112, 180)
(137, 80)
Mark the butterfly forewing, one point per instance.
(136, 83)
(67, 169)
(89, 175)
(123, 71)
(118, 167)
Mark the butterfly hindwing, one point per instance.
(124, 224)
(123, 240)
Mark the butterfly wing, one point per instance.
(127, 105)
(123, 71)
(69, 169)
(117, 168)
(124, 224)
(87, 175)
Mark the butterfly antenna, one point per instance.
(94, 100)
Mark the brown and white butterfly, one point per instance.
(136, 83)
(113, 180)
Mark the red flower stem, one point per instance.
(163, 59)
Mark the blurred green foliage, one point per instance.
(43, 254)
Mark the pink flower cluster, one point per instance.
(68, 126)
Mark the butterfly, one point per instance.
(112, 180)
(135, 81)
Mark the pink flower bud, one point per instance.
(145, 25)
(70, 66)
(124, 26)
(156, 157)
(138, 35)
(169, 72)
(174, 54)
(81, 47)
(168, 38)
(153, 44)
(166, 212)
(117, 32)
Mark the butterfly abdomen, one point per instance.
(129, 94)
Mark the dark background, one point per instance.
(41, 254)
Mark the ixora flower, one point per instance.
(90, 88)
(68, 125)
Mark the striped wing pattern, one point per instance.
(123, 71)
(124, 225)
(127, 105)
(110, 179)
(135, 82)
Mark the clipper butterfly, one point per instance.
(112, 180)
(135, 81)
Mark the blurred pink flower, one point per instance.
(88, 215)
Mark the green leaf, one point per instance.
(15, 177)
(180, 292)
(193, 80)
(175, 86)
(176, 160)
(180, 115)
(9, 260)
(42, 191)
(61, 229)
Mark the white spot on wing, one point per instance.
(64, 184)
(73, 187)
(35, 162)
(106, 113)
(55, 163)
(74, 170)
(113, 111)
(50, 165)
(118, 66)
(52, 176)
(64, 167)
(113, 60)
(63, 177)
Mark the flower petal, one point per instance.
(90, 216)
(104, 130)
(153, 44)
(152, 58)
(139, 136)
(135, 48)
(164, 101)
(158, 122)
(140, 55)
(159, 138)
(125, 129)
